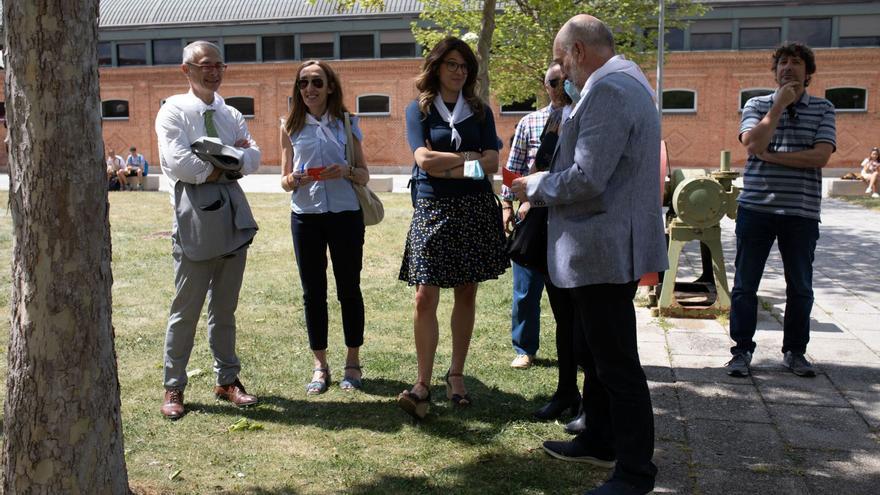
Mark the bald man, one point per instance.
(605, 230)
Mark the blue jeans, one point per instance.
(796, 237)
(525, 324)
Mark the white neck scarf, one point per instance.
(461, 111)
(616, 63)
(325, 134)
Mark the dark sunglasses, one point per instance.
(316, 82)
(554, 82)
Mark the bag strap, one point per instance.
(349, 149)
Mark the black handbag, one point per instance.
(527, 245)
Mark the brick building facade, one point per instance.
(703, 84)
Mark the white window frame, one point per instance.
(373, 114)
(683, 110)
(850, 110)
(739, 96)
(254, 100)
(127, 102)
(518, 112)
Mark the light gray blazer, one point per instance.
(212, 219)
(605, 222)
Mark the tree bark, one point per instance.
(484, 45)
(63, 431)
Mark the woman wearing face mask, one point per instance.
(456, 238)
(325, 213)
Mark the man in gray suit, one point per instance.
(605, 230)
(213, 225)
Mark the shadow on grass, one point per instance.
(375, 409)
(507, 473)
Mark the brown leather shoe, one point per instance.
(172, 407)
(234, 392)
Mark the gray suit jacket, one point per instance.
(211, 219)
(605, 222)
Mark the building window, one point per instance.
(674, 39)
(316, 50)
(398, 50)
(317, 45)
(373, 105)
(859, 30)
(243, 104)
(114, 109)
(240, 49)
(356, 46)
(278, 48)
(679, 101)
(397, 44)
(851, 41)
(105, 54)
(813, 32)
(767, 37)
(747, 94)
(131, 54)
(848, 99)
(711, 41)
(524, 106)
(167, 52)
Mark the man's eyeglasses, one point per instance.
(453, 66)
(219, 67)
(318, 83)
(554, 82)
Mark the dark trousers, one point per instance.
(343, 233)
(796, 237)
(617, 403)
(569, 340)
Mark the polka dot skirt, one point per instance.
(454, 241)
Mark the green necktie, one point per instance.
(209, 124)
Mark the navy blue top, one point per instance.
(475, 136)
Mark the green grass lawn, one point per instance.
(865, 201)
(352, 443)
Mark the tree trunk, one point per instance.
(63, 431)
(484, 44)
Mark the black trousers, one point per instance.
(617, 403)
(569, 340)
(343, 234)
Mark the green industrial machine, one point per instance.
(697, 203)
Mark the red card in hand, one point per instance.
(315, 173)
(507, 177)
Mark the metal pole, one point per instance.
(660, 49)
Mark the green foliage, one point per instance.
(523, 39)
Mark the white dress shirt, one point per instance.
(181, 121)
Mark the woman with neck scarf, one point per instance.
(325, 213)
(456, 238)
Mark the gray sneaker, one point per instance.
(798, 364)
(739, 364)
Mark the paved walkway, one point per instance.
(775, 433)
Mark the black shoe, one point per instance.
(557, 407)
(575, 451)
(738, 365)
(616, 487)
(798, 364)
(578, 424)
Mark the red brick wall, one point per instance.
(693, 139)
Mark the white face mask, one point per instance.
(572, 91)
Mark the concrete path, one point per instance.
(775, 433)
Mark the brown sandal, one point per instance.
(415, 406)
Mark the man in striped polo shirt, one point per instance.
(789, 136)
